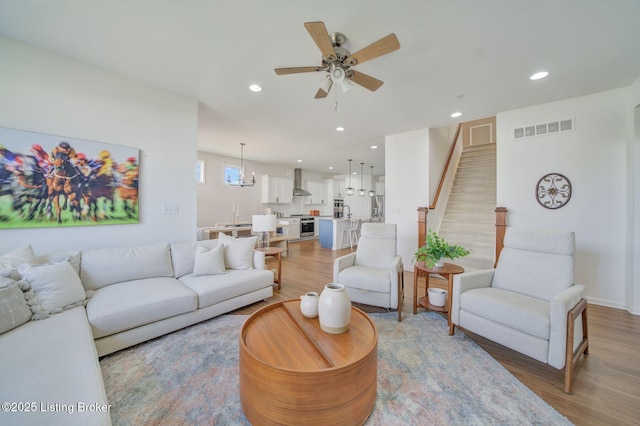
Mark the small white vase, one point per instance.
(439, 263)
(334, 309)
(309, 304)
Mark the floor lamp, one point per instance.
(264, 224)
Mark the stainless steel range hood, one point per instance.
(297, 184)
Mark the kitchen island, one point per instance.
(331, 232)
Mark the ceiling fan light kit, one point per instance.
(337, 60)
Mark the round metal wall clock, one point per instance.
(553, 191)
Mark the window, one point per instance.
(200, 171)
(231, 174)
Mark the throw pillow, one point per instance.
(238, 252)
(56, 286)
(209, 262)
(19, 256)
(13, 308)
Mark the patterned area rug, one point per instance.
(424, 377)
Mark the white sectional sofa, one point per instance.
(50, 372)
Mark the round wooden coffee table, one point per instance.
(292, 372)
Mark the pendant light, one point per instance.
(241, 181)
(372, 191)
(362, 192)
(349, 190)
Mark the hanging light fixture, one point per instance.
(372, 191)
(241, 181)
(349, 190)
(362, 192)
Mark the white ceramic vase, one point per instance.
(309, 304)
(439, 263)
(334, 309)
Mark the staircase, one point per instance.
(469, 218)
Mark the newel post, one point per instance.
(501, 228)
(422, 225)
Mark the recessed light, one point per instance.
(539, 75)
(255, 88)
(374, 146)
(299, 161)
(340, 129)
(330, 167)
(456, 114)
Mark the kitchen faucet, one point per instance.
(348, 215)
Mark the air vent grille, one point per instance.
(543, 129)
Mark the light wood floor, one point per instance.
(607, 384)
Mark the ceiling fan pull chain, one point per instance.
(335, 108)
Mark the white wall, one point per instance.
(44, 92)
(634, 200)
(406, 186)
(594, 158)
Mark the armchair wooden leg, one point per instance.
(571, 357)
(400, 292)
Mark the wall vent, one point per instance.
(543, 129)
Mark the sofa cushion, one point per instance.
(52, 361)
(103, 267)
(13, 308)
(56, 286)
(183, 255)
(213, 289)
(238, 252)
(514, 310)
(209, 262)
(71, 256)
(19, 256)
(365, 278)
(130, 304)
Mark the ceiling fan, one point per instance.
(337, 61)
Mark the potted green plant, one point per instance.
(437, 249)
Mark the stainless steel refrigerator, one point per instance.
(377, 207)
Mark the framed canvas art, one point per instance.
(48, 180)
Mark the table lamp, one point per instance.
(264, 224)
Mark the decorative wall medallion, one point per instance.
(553, 191)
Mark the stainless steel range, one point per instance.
(307, 225)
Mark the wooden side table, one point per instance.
(277, 253)
(449, 270)
(293, 373)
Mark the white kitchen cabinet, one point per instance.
(379, 188)
(276, 190)
(338, 188)
(318, 190)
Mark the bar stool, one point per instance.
(353, 232)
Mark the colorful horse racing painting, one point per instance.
(48, 180)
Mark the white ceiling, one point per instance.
(456, 55)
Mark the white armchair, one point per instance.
(529, 303)
(373, 274)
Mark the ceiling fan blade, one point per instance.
(296, 70)
(321, 92)
(365, 80)
(381, 47)
(319, 34)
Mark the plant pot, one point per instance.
(437, 296)
(439, 263)
(334, 309)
